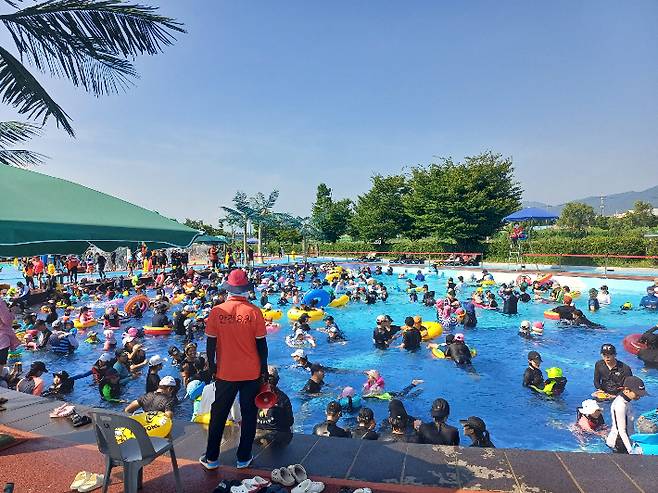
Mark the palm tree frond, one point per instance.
(20, 158)
(87, 41)
(20, 89)
(14, 132)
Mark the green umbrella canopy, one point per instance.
(211, 239)
(42, 214)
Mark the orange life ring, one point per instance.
(551, 315)
(544, 279)
(140, 299)
(157, 331)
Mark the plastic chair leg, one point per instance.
(108, 471)
(174, 464)
(130, 473)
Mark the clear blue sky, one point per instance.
(261, 95)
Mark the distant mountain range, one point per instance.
(618, 202)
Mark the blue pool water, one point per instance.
(493, 391)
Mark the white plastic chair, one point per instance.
(132, 454)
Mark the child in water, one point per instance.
(589, 418)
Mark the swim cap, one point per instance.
(440, 408)
(194, 389)
(554, 372)
(459, 337)
(627, 306)
(525, 324)
(132, 331)
(460, 311)
(347, 392)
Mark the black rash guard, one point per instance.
(533, 376)
(610, 380)
(438, 434)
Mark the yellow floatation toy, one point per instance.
(340, 301)
(573, 294)
(271, 314)
(434, 330)
(314, 314)
(488, 282)
(156, 424)
(178, 298)
(80, 325)
(439, 354)
(418, 289)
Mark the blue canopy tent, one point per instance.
(531, 214)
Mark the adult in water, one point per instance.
(533, 376)
(330, 428)
(438, 432)
(384, 332)
(237, 354)
(649, 354)
(566, 310)
(399, 425)
(476, 430)
(609, 373)
(161, 400)
(366, 425)
(510, 300)
(411, 336)
(458, 351)
(650, 301)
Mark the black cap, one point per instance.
(440, 408)
(534, 355)
(474, 423)
(334, 408)
(316, 367)
(39, 366)
(329, 317)
(636, 385)
(63, 374)
(365, 414)
(608, 349)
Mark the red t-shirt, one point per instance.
(236, 324)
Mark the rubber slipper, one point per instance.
(256, 482)
(80, 479)
(84, 420)
(283, 476)
(308, 486)
(243, 489)
(362, 490)
(298, 472)
(63, 411)
(95, 481)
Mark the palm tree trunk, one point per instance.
(260, 232)
(244, 245)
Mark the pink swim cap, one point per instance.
(347, 392)
(538, 325)
(132, 331)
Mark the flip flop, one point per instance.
(283, 476)
(63, 411)
(298, 472)
(80, 479)
(256, 483)
(95, 481)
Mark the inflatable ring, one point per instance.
(340, 301)
(323, 298)
(156, 424)
(418, 289)
(551, 315)
(439, 354)
(434, 330)
(140, 299)
(271, 314)
(157, 331)
(84, 325)
(15, 355)
(313, 315)
(544, 279)
(488, 282)
(574, 294)
(60, 304)
(632, 343)
(522, 278)
(32, 332)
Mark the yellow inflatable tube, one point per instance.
(156, 424)
(340, 301)
(487, 283)
(434, 330)
(271, 314)
(79, 325)
(314, 315)
(418, 289)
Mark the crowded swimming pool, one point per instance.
(492, 390)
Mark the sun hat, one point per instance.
(39, 366)
(105, 357)
(440, 408)
(372, 374)
(635, 384)
(268, 306)
(63, 374)
(381, 318)
(459, 337)
(299, 353)
(347, 392)
(237, 282)
(167, 381)
(474, 423)
(156, 360)
(526, 324)
(589, 406)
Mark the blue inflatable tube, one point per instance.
(317, 294)
(345, 403)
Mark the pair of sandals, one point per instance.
(296, 474)
(79, 420)
(252, 485)
(87, 481)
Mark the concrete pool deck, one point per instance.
(53, 452)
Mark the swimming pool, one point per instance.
(515, 417)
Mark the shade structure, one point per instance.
(46, 215)
(209, 239)
(531, 214)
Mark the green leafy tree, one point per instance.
(331, 219)
(262, 213)
(379, 214)
(206, 228)
(641, 216)
(462, 203)
(88, 42)
(576, 217)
